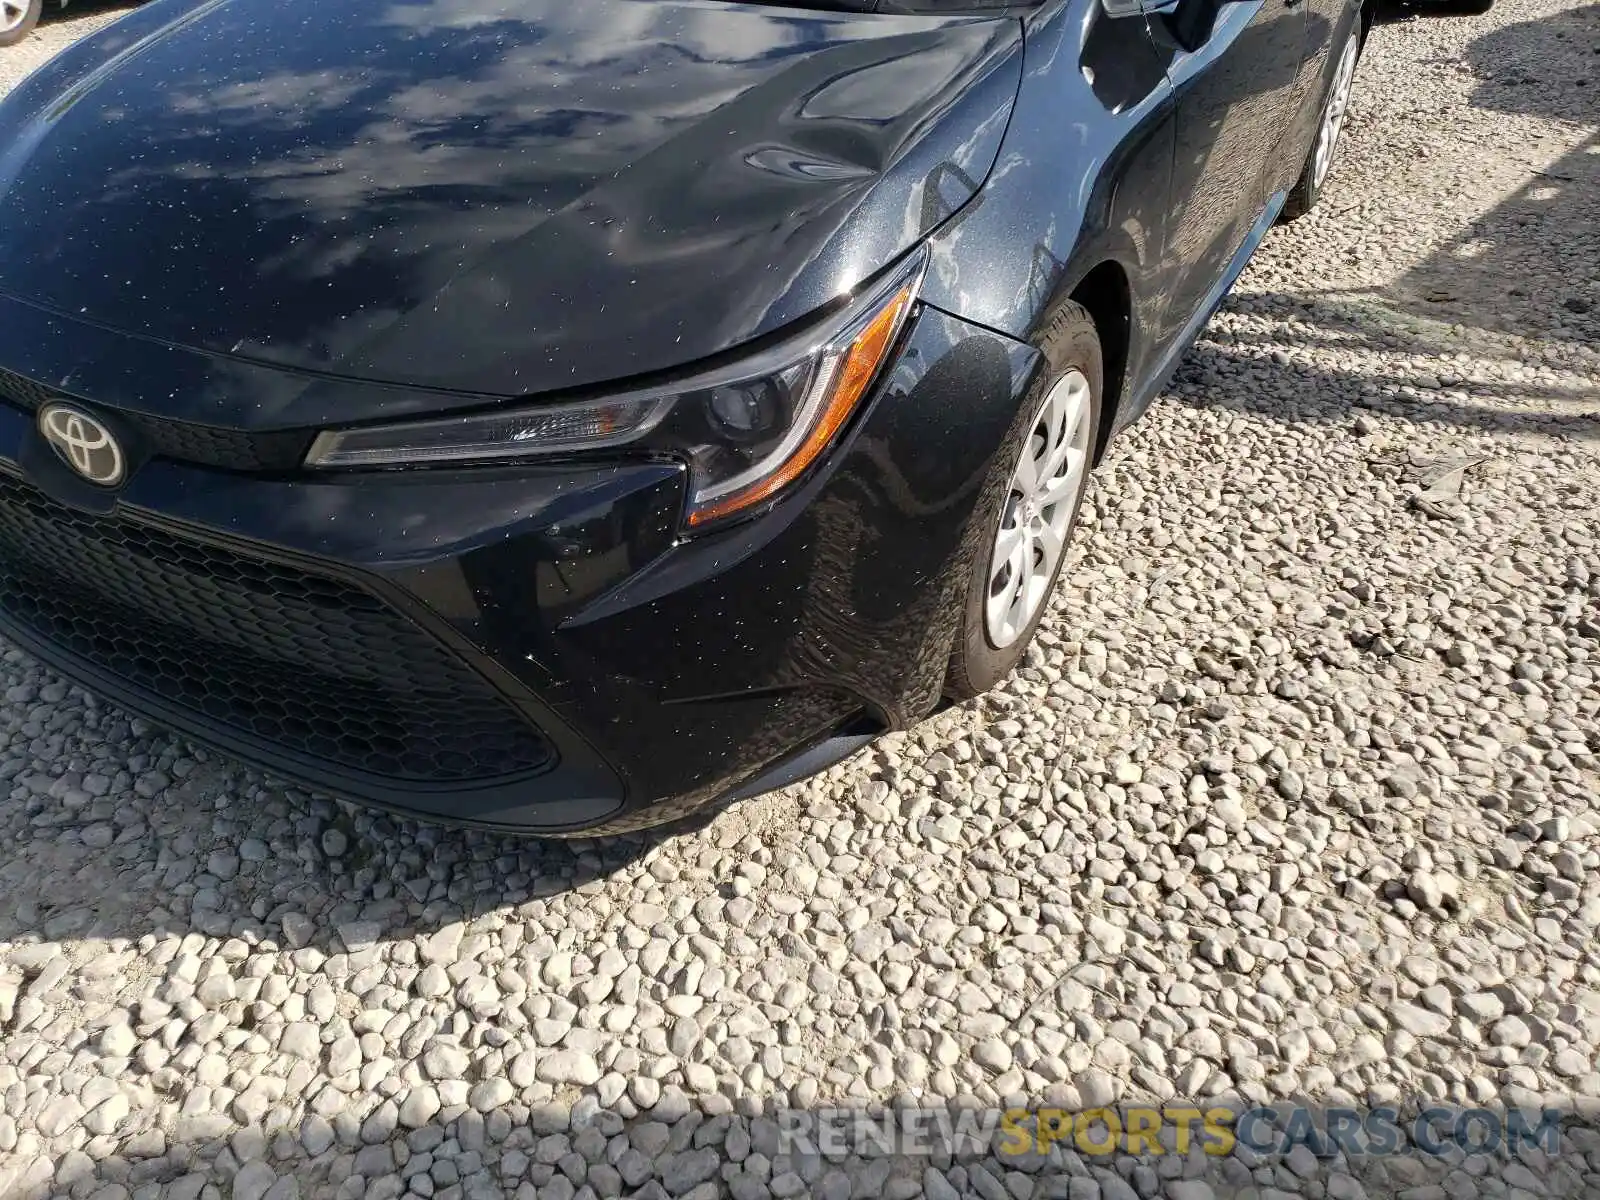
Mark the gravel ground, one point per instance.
(57, 30)
(1297, 796)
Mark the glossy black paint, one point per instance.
(1131, 156)
(1084, 179)
(1232, 94)
(666, 669)
(273, 223)
(488, 196)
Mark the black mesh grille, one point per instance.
(207, 445)
(24, 392)
(313, 664)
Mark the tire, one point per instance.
(17, 19)
(1319, 164)
(992, 638)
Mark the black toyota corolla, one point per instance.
(557, 416)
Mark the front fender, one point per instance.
(1081, 181)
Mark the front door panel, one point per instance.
(1237, 86)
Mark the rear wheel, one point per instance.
(17, 19)
(1016, 565)
(1335, 107)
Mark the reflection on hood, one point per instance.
(487, 196)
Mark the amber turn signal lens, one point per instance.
(842, 382)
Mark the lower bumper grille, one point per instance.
(312, 664)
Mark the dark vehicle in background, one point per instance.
(558, 417)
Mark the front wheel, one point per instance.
(17, 19)
(1016, 564)
(1319, 163)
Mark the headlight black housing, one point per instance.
(746, 431)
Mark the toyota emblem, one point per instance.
(83, 443)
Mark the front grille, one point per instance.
(183, 441)
(310, 663)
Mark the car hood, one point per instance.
(500, 197)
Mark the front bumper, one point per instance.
(528, 647)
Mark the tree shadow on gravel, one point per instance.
(484, 1141)
(1290, 380)
(1520, 67)
(1327, 324)
(1543, 230)
(1467, 338)
(1469, 306)
(1545, 68)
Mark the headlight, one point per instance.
(746, 431)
